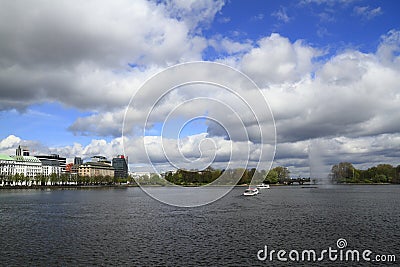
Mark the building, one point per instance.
(91, 169)
(120, 164)
(99, 159)
(7, 166)
(22, 151)
(28, 166)
(68, 167)
(52, 164)
(78, 161)
(25, 164)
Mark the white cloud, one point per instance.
(194, 13)
(388, 49)
(281, 15)
(224, 20)
(327, 2)
(75, 53)
(226, 45)
(351, 94)
(191, 152)
(277, 60)
(9, 142)
(367, 12)
(258, 17)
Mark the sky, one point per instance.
(328, 69)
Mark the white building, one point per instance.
(52, 164)
(139, 174)
(7, 166)
(28, 166)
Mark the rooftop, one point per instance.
(5, 157)
(26, 159)
(96, 164)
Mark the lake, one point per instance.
(126, 227)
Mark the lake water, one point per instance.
(125, 227)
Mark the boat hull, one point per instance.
(250, 192)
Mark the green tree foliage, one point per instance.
(153, 179)
(342, 172)
(282, 173)
(345, 172)
(54, 179)
(272, 177)
(231, 176)
(396, 177)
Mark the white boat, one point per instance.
(250, 192)
(263, 186)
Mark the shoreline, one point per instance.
(66, 187)
(44, 187)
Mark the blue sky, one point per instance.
(333, 25)
(45, 122)
(65, 80)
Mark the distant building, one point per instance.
(22, 151)
(75, 169)
(7, 166)
(120, 164)
(98, 159)
(68, 167)
(91, 169)
(26, 165)
(78, 161)
(52, 164)
(140, 174)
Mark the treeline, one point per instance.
(180, 177)
(345, 172)
(62, 179)
(231, 176)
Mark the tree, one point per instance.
(53, 178)
(342, 172)
(380, 178)
(388, 170)
(41, 179)
(64, 178)
(155, 179)
(131, 180)
(18, 178)
(244, 178)
(396, 178)
(215, 175)
(283, 173)
(26, 179)
(272, 177)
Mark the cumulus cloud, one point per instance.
(350, 94)
(225, 45)
(75, 53)
(194, 152)
(276, 60)
(196, 14)
(9, 142)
